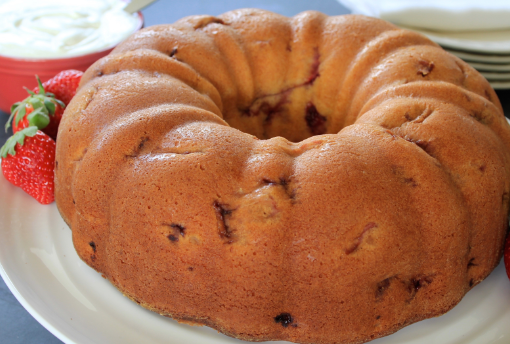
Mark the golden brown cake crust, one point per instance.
(313, 179)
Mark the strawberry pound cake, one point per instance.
(312, 179)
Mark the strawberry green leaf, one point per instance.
(38, 118)
(36, 103)
(61, 103)
(32, 93)
(46, 103)
(49, 105)
(29, 131)
(14, 110)
(19, 137)
(14, 106)
(41, 87)
(8, 148)
(21, 113)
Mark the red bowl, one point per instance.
(17, 73)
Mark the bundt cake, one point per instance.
(313, 179)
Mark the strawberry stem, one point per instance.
(41, 87)
(44, 105)
(32, 93)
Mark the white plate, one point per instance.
(77, 305)
(496, 76)
(497, 42)
(487, 67)
(500, 85)
(484, 58)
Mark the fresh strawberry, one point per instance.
(41, 110)
(506, 256)
(28, 159)
(63, 85)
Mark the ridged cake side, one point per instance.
(361, 183)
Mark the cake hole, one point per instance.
(284, 318)
(426, 146)
(138, 148)
(382, 287)
(482, 117)
(93, 245)
(177, 230)
(471, 263)
(283, 182)
(142, 142)
(222, 212)
(425, 67)
(411, 182)
(417, 283)
(276, 115)
(267, 107)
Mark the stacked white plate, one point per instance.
(476, 31)
(486, 51)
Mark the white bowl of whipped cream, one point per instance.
(44, 37)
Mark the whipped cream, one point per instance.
(62, 28)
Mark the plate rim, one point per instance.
(31, 310)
